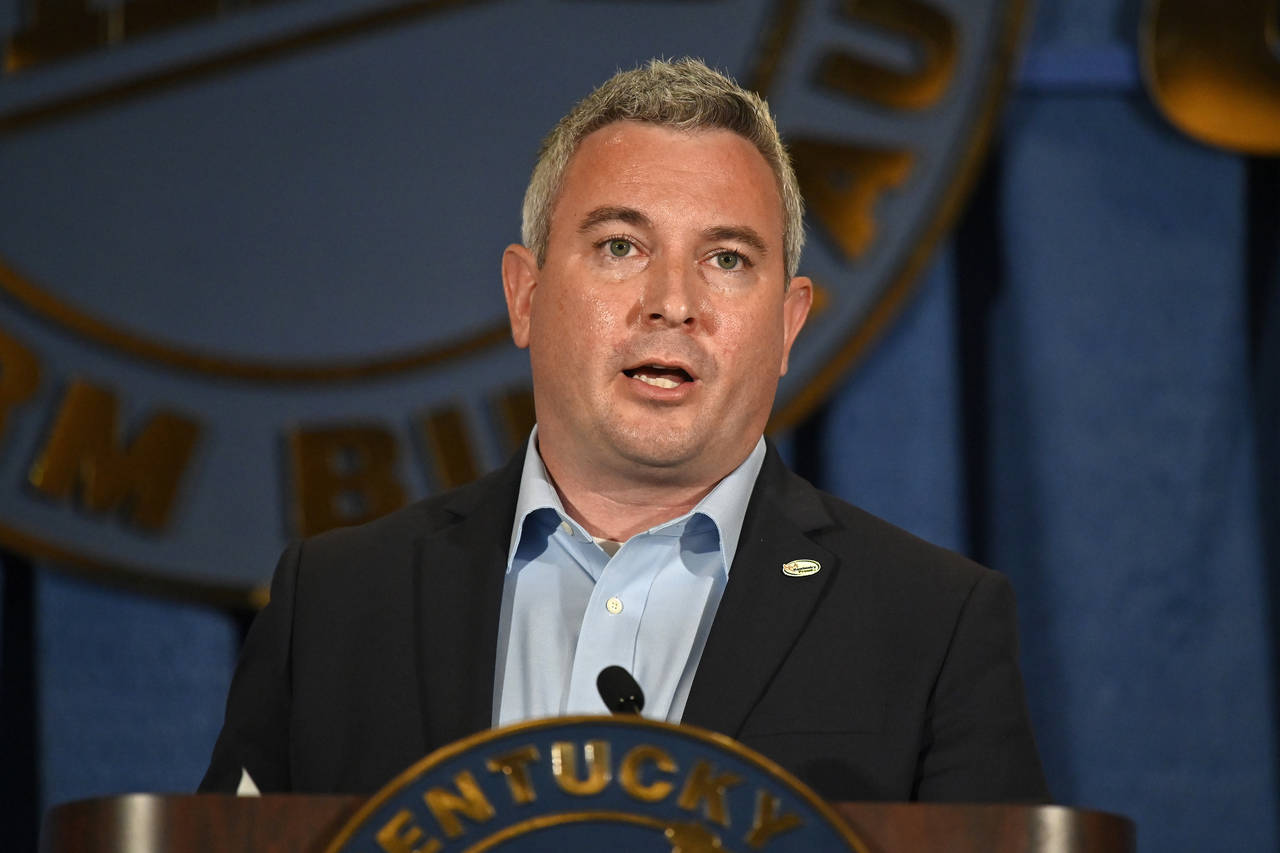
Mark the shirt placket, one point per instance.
(611, 623)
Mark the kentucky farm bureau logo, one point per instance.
(249, 258)
(595, 783)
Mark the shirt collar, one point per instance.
(725, 505)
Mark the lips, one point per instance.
(660, 375)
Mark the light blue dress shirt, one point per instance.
(569, 609)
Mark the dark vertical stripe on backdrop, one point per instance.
(1263, 275)
(810, 454)
(244, 621)
(19, 770)
(1263, 262)
(979, 278)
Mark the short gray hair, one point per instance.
(683, 95)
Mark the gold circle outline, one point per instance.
(536, 824)
(140, 579)
(695, 733)
(885, 308)
(904, 280)
(40, 301)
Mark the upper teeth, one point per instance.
(660, 381)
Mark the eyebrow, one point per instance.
(601, 215)
(631, 216)
(739, 233)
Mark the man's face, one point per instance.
(659, 323)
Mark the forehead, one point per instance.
(707, 173)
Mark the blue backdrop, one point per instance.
(1083, 395)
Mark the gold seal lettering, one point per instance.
(767, 822)
(343, 475)
(19, 376)
(931, 36)
(84, 450)
(564, 767)
(470, 801)
(61, 30)
(631, 778)
(396, 837)
(842, 183)
(515, 413)
(515, 766)
(703, 786)
(448, 440)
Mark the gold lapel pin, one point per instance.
(801, 568)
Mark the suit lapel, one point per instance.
(458, 580)
(763, 611)
(459, 574)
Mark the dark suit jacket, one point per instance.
(891, 674)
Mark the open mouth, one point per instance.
(659, 376)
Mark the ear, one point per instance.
(795, 309)
(519, 280)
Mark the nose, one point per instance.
(672, 296)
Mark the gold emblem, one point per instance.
(606, 782)
(801, 568)
(140, 408)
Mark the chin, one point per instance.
(651, 449)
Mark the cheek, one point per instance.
(755, 341)
(580, 326)
(593, 315)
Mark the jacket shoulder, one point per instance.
(880, 543)
(877, 548)
(398, 529)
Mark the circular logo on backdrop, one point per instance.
(596, 783)
(249, 265)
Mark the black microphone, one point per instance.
(619, 691)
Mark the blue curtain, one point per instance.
(1083, 395)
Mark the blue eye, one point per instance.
(619, 248)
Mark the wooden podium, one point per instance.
(220, 823)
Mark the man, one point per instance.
(647, 524)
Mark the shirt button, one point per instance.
(613, 605)
(566, 527)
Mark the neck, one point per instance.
(618, 507)
(621, 515)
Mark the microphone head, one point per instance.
(619, 691)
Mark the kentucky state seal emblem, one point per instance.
(595, 783)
